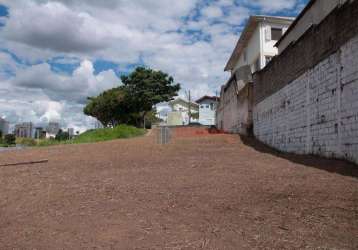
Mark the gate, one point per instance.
(164, 135)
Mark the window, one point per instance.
(268, 59)
(201, 106)
(276, 34)
(212, 106)
(207, 106)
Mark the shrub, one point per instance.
(10, 139)
(26, 142)
(62, 136)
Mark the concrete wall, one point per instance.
(313, 16)
(316, 112)
(315, 45)
(175, 118)
(234, 113)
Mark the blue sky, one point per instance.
(53, 54)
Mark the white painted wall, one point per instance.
(318, 112)
(184, 110)
(252, 49)
(259, 46)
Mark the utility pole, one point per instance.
(189, 108)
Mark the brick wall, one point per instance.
(315, 45)
(317, 112)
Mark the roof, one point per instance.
(206, 97)
(178, 100)
(247, 33)
(294, 23)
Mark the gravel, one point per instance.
(198, 192)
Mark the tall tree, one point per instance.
(131, 102)
(108, 107)
(146, 87)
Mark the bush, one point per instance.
(26, 142)
(10, 139)
(62, 136)
(105, 134)
(51, 142)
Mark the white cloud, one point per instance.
(55, 27)
(273, 5)
(212, 12)
(39, 95)
(74, 88)
(122, 31)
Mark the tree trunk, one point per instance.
(144, 115)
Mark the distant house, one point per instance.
(71, 132)
(24, 130)
(40, 133)
(179, 114)
(207, 110)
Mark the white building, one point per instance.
(40, 133)
(24, 130)
(256, 45)
(71, 132)
(4, 126)
(207, 110)
(179, 114)
(253, 51)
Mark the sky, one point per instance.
(55, 54)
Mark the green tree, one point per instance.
(108, 107)
(10, 139)
(132, 102)
(146, 88)
(62, 136)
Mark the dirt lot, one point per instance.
(204, 192)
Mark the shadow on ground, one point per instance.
(341, 167)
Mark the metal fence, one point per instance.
(164, 135)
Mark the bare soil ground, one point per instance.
(201, 192)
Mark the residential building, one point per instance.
(40, 133)
(24, 130)
(207, 110)
(71, 132)
(253, 51)
(4, 126)
(313, 14)
(256, 45)
(175, 118)
(180, 107)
